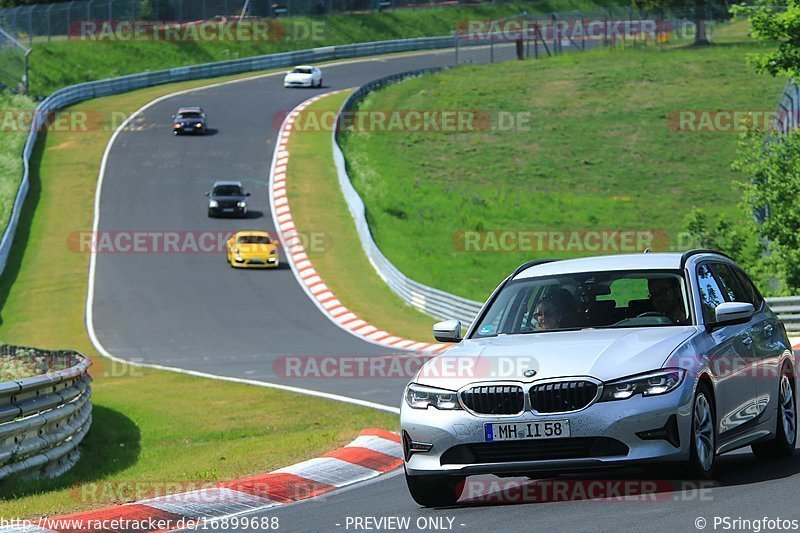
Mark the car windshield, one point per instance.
(228, 190)
(587, 300)
(301, 70)
(190, 114)
(253, 239)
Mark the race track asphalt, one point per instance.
(192, 311)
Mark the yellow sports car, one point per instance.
(252, 249)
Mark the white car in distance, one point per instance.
(303, 76)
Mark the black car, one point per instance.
(189, 120)
(227, 198)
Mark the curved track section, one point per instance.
(190, 310)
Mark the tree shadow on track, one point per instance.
(112, 445)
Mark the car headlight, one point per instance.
(242, 204)
(273, 251)
(213, 203)
(420, 397)
(236, 251)
(650, 384)
(198, 125)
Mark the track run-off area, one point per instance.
(191, 311)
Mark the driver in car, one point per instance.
(665, 293)
(550, 313)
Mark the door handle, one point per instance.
(747, 341)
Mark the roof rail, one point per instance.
(697, 251)
(529, 264)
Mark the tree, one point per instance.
(775, 23)
(698, 10)
(774, 189)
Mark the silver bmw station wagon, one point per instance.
(602, 362)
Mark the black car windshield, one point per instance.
(299, 70)
(189, 114)
(621, 299)
(253, 239)
(228, 190)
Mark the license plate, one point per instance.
(227, 210)
(546, 429)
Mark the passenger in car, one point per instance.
(665, 293)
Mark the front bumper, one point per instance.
(189, 130)
(237, 212)
(610, 424)
(304, 83)
(255, 262)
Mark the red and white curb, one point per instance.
(299, 262)
(372, 453)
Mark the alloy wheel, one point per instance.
(704, 432)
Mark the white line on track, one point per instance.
(93, 257)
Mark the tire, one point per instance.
(703, 441)
(782, 445)
(320, 83)
(435, 491)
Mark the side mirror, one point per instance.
(730, 313)
(447, 331)
(247, 194)
(208, 194)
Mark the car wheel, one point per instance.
(175, 133)
(703, 442)
(786, 425)
(435, 491)
(320, 83)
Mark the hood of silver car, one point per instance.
(604, 354)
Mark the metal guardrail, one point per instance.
(788, 310)
(86, 91)
(432, 301)
(786, 118)
(441, 304)
(44, 418)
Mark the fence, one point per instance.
(45, 21)
(13, 63)
(44, 418)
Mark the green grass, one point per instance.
(65, 62)
(149, 426)
(598, 154)
(14, 124)
(319, 207)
